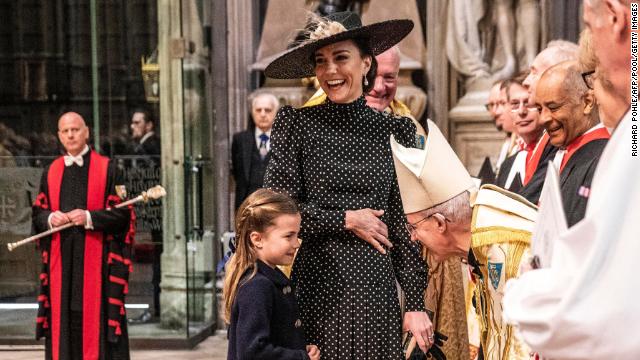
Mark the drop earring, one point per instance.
(366, 82)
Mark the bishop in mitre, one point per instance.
(450, 217)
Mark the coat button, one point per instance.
(298, 323)
(286, 290)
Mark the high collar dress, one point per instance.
(332, 158)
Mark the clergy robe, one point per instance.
(576, 172)
(585, 305)
(511, 172)
(536, 170)
(84, 271)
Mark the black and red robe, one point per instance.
(84, 271)
(536, 169)
(577, 169)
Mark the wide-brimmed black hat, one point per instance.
(297, 62)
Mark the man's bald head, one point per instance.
(567, 106)
(71, 116)
(571, 74)
(73, 132)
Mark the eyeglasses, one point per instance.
(517, 105)
(411, 228)
(490, 105)
(588, 78)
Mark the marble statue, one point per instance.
(484, 38)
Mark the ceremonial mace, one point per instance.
(154, 193)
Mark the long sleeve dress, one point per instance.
(332, 158)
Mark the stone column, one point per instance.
(437, 65)
(174, 277)
(221, 147)
(240, 34)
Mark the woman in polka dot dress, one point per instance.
(335, 160)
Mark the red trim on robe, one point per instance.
(41, 201)
(92, 294)
(42, 320)
(92, 282)
(54, 180)
(533, 162)
(577, 143)
(117, 302)
(127, 262)
(115, 324)
(120, 281)
(44, 299)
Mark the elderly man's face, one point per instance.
(386, 83)
(561, 114)
(73, 133)
(539, 65)
(263, 112)
(439, 244)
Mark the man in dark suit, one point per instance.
(147, 149)
(142, 132)
(570, 116)
(250, 150)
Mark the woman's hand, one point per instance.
(313, 352)
(418, 323)
(366, 225)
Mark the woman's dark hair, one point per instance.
(365, 50)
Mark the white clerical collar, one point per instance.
(146, 136)
(78, 159)
(82, 153)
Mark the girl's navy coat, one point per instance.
(264, 318)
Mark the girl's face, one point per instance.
(277, 245)
(340, 70)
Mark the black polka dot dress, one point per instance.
(332, 158)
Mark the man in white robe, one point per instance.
(584, 306)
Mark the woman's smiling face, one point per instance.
(340, 69)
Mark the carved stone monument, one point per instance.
(486, 41)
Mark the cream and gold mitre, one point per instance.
(429, 176)
(501, 216)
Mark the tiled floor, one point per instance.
(213, 348)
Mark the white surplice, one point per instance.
(586, 305)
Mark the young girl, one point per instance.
(259, 301)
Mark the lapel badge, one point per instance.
(420, 141)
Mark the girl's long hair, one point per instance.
(256, 213)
